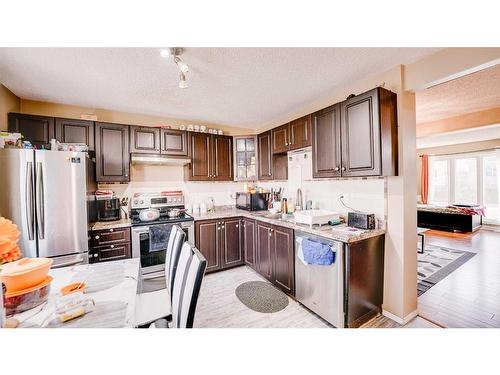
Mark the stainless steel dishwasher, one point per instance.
(321, 288)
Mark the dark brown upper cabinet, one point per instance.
(39, 130)
(222, 163)
(200, 150)
(300, 133)
(211, 157)
(369, 134)
(144, 140)
(150, 140)
(75, 131)
(292, 136)
(280, 137)
(326, 154)
(112, 152)
(265, 160)
(174, 142)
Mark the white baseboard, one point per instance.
(408, 318)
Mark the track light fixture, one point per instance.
(183, 68)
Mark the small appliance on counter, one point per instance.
(252, 201)
(361, 220)
(108, 209)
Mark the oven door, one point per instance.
(152, 262)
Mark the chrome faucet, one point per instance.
(298, 200)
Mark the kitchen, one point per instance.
(207, 182)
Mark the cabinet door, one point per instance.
(232, 254)
(326, 143)
(222, 158)
(75, 131)
(112, 152)
(248, 241)
(39, 130)
(111, 252)
(207, 240)
(144, 140)
(281, 139)
(264, 240)
(283, 258)
(200, 168)
(300, 133)
(174, 142)
(265, 160)
(361, 151)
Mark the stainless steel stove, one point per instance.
(157, 208)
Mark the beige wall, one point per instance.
(451, 149)
(8, 103)
(71, 111)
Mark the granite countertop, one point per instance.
(340, 232)
(122, 223)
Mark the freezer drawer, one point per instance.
(318, 287)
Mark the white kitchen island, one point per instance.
(112, 286)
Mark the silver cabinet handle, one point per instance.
(218, 228)
(237, 226)
(112, 246)
(95, 255)
(223, 227)
(29, 200)
(343, 168)
(337, 169)
(97, 237)
(40, 209)
(126, 175)
(111, 230)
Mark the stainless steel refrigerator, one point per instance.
(45, 194)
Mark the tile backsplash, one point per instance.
(367, 195)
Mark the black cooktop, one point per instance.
(163, 219)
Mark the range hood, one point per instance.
(152, 159)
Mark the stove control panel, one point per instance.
(161, 199)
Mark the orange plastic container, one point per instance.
(24, 273)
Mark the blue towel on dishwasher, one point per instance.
(317, 253)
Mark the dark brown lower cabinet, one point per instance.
(283, 258)
(275, 255)
(264, 250)
(248, 242)
(109, 244)
(220, 243)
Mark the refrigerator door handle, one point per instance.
(29, 200)
(40, 209)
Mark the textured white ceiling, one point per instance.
(242, 87)
(471, 93)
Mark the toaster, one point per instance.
(361, 220)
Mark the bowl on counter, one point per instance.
(20, 301)
(24, 273)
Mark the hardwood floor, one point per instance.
(470, 296)
(218, 307)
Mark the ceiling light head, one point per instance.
(182, 82)
(181, 65)
(166, 52)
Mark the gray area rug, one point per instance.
(436, 263)
(261, 296)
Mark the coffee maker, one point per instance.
(108, 209)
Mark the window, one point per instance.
(467, 179)
(439, 178)
(245, 163)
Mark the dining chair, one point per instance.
(151, 306)
(186, 289)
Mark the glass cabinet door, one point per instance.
(245, 158)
